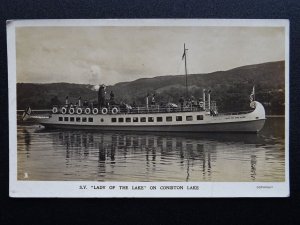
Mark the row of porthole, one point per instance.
(129, 119)
(79, 111)
(151, 119)
(77, 119)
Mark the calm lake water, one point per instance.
(54, 155)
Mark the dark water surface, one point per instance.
(56, 155)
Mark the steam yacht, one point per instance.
(202, 116)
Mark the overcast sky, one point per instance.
(96, 55)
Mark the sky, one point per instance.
(108, 55)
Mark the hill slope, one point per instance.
(230, 88)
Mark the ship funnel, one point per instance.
(101, 96)
(79, 102)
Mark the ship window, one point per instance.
(113, 120)
(150, 119)
(83, 119)
(101, 120)
(91, 119)
(159, 119)
(121, 120)
(169, 118)
(189, 118)
(60, 118)
(72, 119)
(135, 119)
(77, 119)
(128, 119)
(66, 118)
(143, 119)
(178, 118)
(199, 117)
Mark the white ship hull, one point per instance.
(162, 122)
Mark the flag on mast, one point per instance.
(26, 113)
(183, 52)
(252, 95)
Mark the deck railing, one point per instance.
(135, 110)
(145, 110)
(159, 109)
(235, 113)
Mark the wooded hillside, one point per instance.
(231, 89)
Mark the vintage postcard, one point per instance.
(148, 108)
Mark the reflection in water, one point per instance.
(27, 140)
(186, 149)
(121, 156)
(253, 166)
(24, 142)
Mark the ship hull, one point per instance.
(193, 121)
(244, 126)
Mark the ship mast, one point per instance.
(184, 56)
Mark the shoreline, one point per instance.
(271, 116)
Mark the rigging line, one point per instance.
(185, 66)
(179, 66)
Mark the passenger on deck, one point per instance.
(85, 103)
(79, 102)
(123, 107)
(193, 102)
(212, 112)
(67, 101)
(153, 100)
(181, 101)
(189, 102)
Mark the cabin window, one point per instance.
(60, 118)
(83, 119)
(199, 117)
(113, 120)
(169, 118)
(189, 118)
(159, 119)
(91, 119)
(77, 119)
(121, 120)
(101, 120)
(66, 118)
(143, 119)
(150, 119)
(128, 119)
(178, 118)
(135, 119)
(72, 119)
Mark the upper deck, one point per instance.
(127, 109)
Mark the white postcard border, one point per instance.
(138, 189)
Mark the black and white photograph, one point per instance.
(149, 108)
